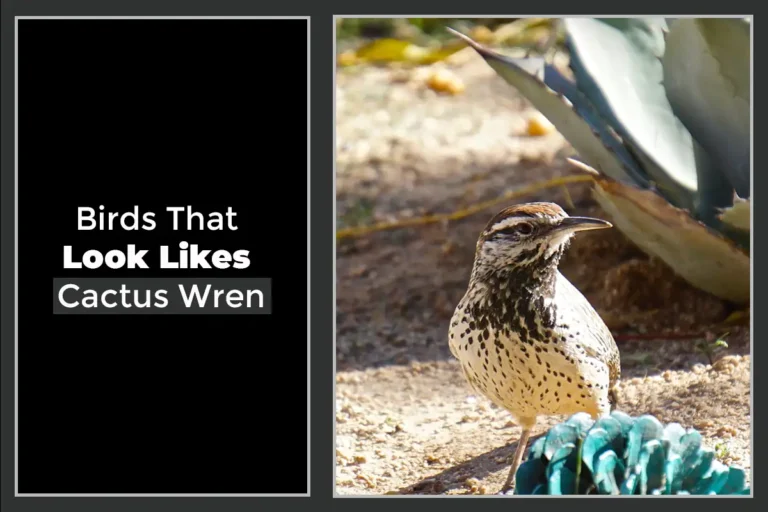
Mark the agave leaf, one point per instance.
(616, 64)
(713, 481)
(736, 481)
(561, 478)
(689, 447)
(565, 456)
(629, 485)
(529, 475)
(734, 222)
(612, 428)
(536, 451)
(562, 482)
(661, 459)
(646, 429)
(591, 139)
(702, 256)
(596, 442)
(584, 108)
(706, 456)
(582, 421)
(673, 471)
(737, 216)
(715, 190)
(558, 436)
(673, 432)
(608, 470)
(652, 464)
(707, 79)
(610, 424)
(625, 420)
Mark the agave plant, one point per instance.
(622, 455)
(659, 110)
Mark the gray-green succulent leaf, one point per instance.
(707, 79)
(617, 65)
(660, 111)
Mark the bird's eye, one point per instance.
(514, 231)
(524, 228)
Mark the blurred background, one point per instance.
(426, 40)
(430, 143)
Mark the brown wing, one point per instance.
(576, 311)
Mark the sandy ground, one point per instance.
(406, 421)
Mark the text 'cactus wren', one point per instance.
(526, 338)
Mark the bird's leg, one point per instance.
(517, 459)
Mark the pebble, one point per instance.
(538, 125)
(726, 432)
(726, 363)
(463, 125)
(698, 369)
(436, 134)
(703, 424)
(381, 117)
(369, 481)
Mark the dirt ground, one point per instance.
(406, 421)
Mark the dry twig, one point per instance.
(462, 213)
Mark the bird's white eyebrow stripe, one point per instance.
(509, 222)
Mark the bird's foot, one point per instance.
(506, 489)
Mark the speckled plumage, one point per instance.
(526, 338)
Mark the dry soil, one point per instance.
(406, 422)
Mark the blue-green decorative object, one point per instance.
(622, 455)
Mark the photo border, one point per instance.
(322, 187)
(752, 242)
(17, 494)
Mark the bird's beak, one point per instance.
(574, 224)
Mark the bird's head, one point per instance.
(532, 235)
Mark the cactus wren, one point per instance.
(526, 338)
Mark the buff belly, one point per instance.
(527, 379)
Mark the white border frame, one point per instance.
(16, 267)
(751, 214)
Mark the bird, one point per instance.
(525, 336)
